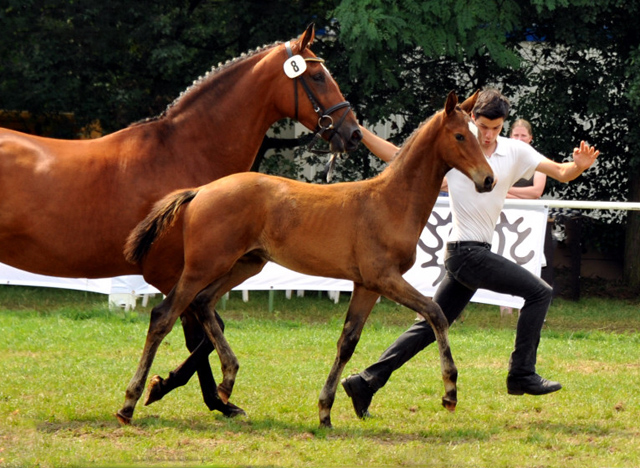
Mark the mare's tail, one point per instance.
(162, 217)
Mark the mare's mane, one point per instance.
(204, 79)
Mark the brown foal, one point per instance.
(364, 231)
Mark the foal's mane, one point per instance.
(409, 140)
(203, 80)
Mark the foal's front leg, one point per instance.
(362, 301)
(397, 289)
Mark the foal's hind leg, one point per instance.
(203, 307)
(228, 360)
(163, 317)
(247, 266)
(200, 346)
(195, 335)
(362, 301)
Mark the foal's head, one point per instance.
(459, 146)
(309, 94)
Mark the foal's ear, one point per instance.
(450, 105)
(468, 104)
(306, 38)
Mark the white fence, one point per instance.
(519, 236)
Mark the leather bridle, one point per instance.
(325, 121)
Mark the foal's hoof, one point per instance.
(326, 423)
(122, 419)
(154, 390)
(449, 404)
(224, 394)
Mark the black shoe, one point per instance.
(532, 384)
(360, 394)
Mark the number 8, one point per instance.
(295, 66)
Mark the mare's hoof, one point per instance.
(449, 404)
(231, 411)
(154, 390)
(122, 419)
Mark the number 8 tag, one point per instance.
(295, 66)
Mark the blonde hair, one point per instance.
(521, 123)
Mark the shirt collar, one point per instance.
(501, 149)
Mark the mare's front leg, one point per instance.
(203, 305)
(362, 301)
(397, 289)
(163, 317)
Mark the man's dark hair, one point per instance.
(491, 104)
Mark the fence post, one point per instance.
(271, 296)
(573, 229)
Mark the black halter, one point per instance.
(325, 121)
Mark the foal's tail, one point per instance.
(162, 217)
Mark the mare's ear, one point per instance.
(468, 104)
(450, 105)
(306, 38)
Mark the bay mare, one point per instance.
(67, 207)
(366, 232)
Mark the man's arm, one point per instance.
(385, 150)
(583, 158)
(382, 148)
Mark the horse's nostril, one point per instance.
(488, 182)
(357, 135)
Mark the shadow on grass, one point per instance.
(150, 425)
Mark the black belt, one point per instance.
(459, 244)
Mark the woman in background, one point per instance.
(524, 188)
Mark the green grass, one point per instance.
(65, 360)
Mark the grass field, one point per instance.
(65, 361)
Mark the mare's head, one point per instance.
(308, 93)
(458, 143)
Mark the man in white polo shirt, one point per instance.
(469, 262)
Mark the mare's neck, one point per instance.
(225, 117)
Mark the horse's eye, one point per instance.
(319, 77)
(459, 137)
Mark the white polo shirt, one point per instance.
(475, 214)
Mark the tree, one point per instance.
(590, 48)
(588, 88)
(120, 62)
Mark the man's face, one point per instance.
(488, 130)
